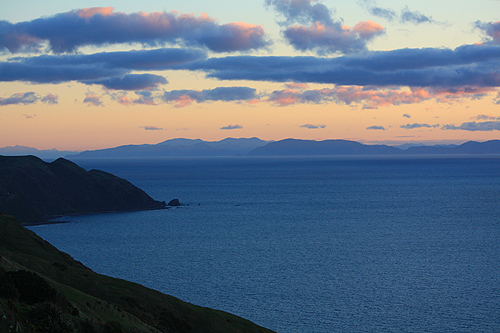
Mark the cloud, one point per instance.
(473, 126)
(370, 98)
(406, 115)
(231, 127)
(156, 59)
(131, 82)
(415, 17)
(29, 116)
(413, 126)
(485, 117)
(332, 39)
(406, 16)
(19, 71)
(183, 98)
(50, 99)
(491, 29)
(91, 99)
(146, 98)
(309, 26)
(301, 11)
(468, 65)
(152, 128)
(376, 128)
(28, 98)
(100, 26)
(311, 126)
(375, 10)
(104, 67)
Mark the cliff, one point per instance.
(33, 190)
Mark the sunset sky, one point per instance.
(77, 75)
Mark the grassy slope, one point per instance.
(87, 301)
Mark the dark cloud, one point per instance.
(376, 128)
(407, 16)
(226, 94)
(28, 98)
(131, 82)
(66, 32)
(406, 115)
(231, 127)
(20, 71)
(473, 126)
(468, 65)
(301, 11)
(415, 17)
(91, 99)
(107, 67)
(157, 59)
(311, 126)
(413, 126)
(375, 10)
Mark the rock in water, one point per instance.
(174, 203)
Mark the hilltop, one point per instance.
(33, 190)
(45, 290)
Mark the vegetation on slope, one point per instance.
(45, 290)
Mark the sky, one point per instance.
(79, 75)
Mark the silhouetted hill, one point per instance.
(178, 148)
(295, 147)
(34, 190)
(45, 290)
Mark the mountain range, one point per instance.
(287, 147)
(256, 147)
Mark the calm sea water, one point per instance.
(310, 244)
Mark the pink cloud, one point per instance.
(298, 86)
(89, 12)
(183, 101)
(368, 29)
(373, 98)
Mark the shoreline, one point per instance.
(48, 221)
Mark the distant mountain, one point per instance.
(470, 147)
(178, 148)
(295, 147)
(290, 147)
(33, 190)
(48, 154)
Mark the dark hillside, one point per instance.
(45, 290)
(33, 190)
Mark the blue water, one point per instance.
(310, 244)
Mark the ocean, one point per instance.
(316, 244)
